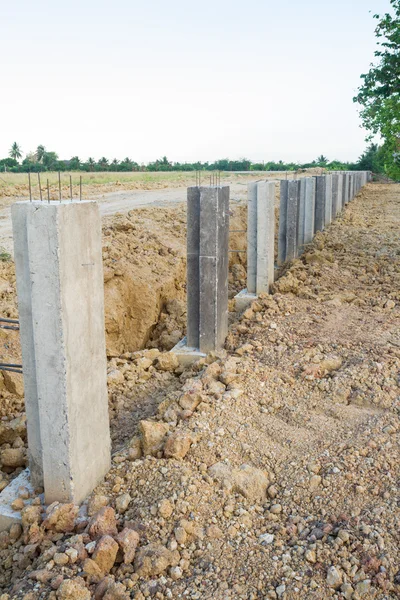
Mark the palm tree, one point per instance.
(91, 163)
(40, 152)
(103, 163)
(15, 151)
(322, 160)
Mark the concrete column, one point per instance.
(193, 267)
(61, 303)
(214, 258)
(252, 238)
(309, 209)
(265, 236)
(328, 200)
(335, 189)
(345, 192)
(320, 193)
(302, 216)
(339, 200)
(288, 220)
(207, 270)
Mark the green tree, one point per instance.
(15, 151)
(379, 94)
(322, 161)
(40, 152)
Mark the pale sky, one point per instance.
(261, 79)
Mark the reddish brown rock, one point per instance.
(128, 541)
(103, 523)
(105, 553)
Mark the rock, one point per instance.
(103, 523)
(329, 365)
(135, 448)
(180, 535)
(11, 430)
(72, 590)
(248, 481)
(347, 591)
(190, 401)
(175, 573)
(280, 590)
(115, 377)
(167, 362)
(31, 515)
(92, 571)
(178, 445)
(14, 383)
(105, 553)
(61, 559)
(13, 457)
(272, 491)
(165, 509)
(310, 556)
(116, 591)
(334, 578)
(128, 541)
(214, 532)
(122, 503)
(363, 587)
(96, 503)
(266, 538)
(61, 517)
(152, 560)
(315, 481)
(153, 436)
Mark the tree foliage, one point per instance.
(379, 94)
(15, 151)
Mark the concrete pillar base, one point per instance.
(185, 354)
(8, 516)
(243, 300)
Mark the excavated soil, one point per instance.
(269, 470)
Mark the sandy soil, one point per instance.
(267, 471)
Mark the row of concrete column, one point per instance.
(311, 204)
(58, 259)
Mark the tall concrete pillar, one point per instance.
(346, 188)
(320, 193)
(288, 220)
(309, 209)
(58, 259)
(207, 271)
(265, 236)
(335, 190)
(328, 200)
(339, 193)
(252, 237)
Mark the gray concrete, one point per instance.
(346, 188)
(243, 300)
(9, 516)
(265, 236)
(252, 238)
(63, 304)
(282, 222)
(335, 191)
(193, 267)
(328, 200)
(207, 270)
(339, 194)
(309, 209)
(185, 354)
(24, 296)
(214, 244)
(302, 216)
(320, 193)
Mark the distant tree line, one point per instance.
(43, 160)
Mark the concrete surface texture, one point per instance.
(63, 307)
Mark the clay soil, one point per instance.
(269, 470)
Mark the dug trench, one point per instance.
(267, 471)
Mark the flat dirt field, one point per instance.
(267, 471)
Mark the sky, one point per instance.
(261, 79)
